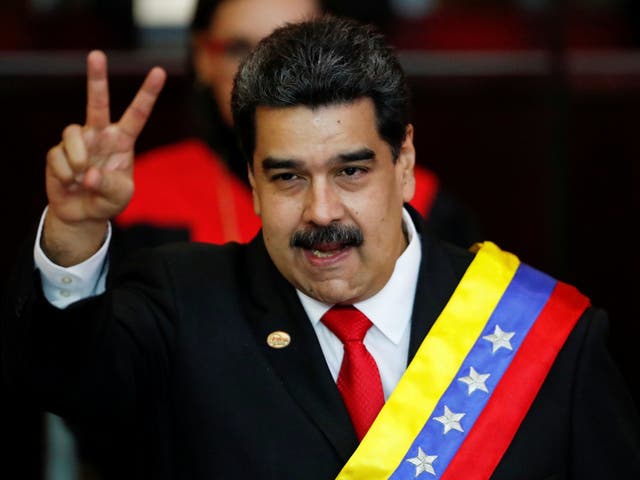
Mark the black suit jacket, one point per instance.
(175, 356)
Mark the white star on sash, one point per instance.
(450, 420)
(500, 339)
(475, 381)
(423, 462)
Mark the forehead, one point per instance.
(255, 19)
(302, 132)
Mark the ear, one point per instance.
(405, 163)
(254, 192)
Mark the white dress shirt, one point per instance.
(389, 310)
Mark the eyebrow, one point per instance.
(273, 163)
(362, 154)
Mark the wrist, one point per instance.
(70, 243)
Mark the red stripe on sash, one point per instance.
(498, 423)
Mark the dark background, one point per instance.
(530, 117)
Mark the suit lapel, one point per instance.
(441, 268)
(274, 306)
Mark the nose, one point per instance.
(323, 204)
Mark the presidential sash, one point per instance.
(461, 400)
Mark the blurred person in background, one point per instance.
(197, 189)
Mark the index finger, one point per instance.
(98, 114)
(137, 113)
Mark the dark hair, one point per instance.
(324, 61)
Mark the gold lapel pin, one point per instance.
(278, 339)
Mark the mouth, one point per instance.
(326, 246)
(326, 254)
(327, 249)
(321, 254)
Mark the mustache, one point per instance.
(345, 235)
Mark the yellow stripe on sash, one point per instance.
(433, 368)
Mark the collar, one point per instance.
(390, 309)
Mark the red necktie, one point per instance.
(359, 379)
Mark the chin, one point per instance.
(333, 292)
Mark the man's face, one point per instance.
(329, 168)
(236, 27)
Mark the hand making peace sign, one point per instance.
(89, 174)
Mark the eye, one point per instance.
(284, 177)
(352, 172)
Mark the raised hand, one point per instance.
(89, 174)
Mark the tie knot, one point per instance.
(347, 323)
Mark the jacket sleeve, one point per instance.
(605, 421)
(99, 358)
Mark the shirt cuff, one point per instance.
(63, 286)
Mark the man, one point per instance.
(287, 357)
